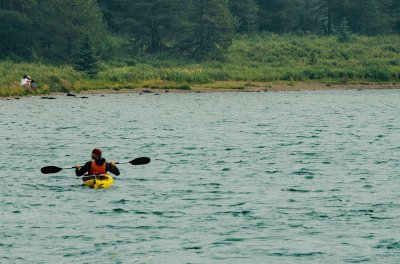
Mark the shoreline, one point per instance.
(222, 87)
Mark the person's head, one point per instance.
(96, 154)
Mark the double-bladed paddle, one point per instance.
(55, 169)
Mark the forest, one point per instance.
(94, 35)
(54, 30)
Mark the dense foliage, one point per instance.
(54, 30)
(251, 61)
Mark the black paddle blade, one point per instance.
(140, 161)
(50, 169)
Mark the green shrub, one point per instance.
(377, 73)
(56, 84)
(314, 74)
(185, 87)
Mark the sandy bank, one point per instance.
(221, 87)
(252, 87)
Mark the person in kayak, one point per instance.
(97, 166)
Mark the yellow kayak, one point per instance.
(98, 181)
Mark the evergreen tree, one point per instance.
(17, 36)
(214, 29)
(326, 10)
(167, 23)
(322, 16)
(246, 12)
(369, 17)
(394, 12)
(86, 59)
(21, 6)
(311, 19)
(343, 33)
(153, 25)
(63, 25)
(280, 16)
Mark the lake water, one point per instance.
(280, 177)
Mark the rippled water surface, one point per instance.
(282, 177)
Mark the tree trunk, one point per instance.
(330, 17)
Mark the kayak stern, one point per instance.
(98, 181)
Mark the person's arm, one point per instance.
(80, 171)
(112, 168)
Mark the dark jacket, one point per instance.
(86, 167)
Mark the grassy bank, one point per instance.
(260, 59)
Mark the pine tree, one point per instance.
(16, 29)
(322, 16)
(280, 16)
(152, 25)
(343, 33)
(246, 12)
(86, 60)
(63, 25)
(214, 29)
(13, 29)
(22, 6)
(368, 17)
(394, 12)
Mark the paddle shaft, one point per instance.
(124, 162)
(55, 169)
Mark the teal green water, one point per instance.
(282, 177)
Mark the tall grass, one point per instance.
(259, 58)
(313, 58)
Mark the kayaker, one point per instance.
(97, 166)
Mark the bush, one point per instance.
(185, 87)
(377, 73)
(56, 84)
(314, 74)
